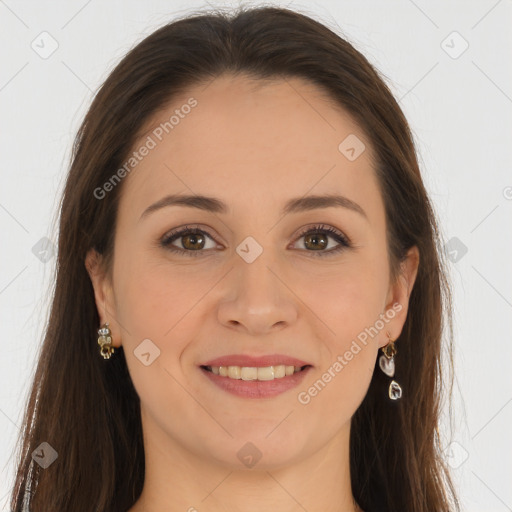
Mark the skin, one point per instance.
(254, 146)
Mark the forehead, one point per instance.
(267, 139)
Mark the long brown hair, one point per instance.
(89, 411)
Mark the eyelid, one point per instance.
(327, 228)
(182, 230)
(343, 240)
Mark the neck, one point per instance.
(178, 479)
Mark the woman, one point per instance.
(250, 290)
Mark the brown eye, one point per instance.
(316, 240)
(191, 240)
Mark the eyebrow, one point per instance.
(296, 205)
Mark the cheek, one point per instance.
(346, 298)
(348, 355)
(336, 391)
(156, 303)
(154, 293)
(347, 303)
(166, 303)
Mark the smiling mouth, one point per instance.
(248, 373)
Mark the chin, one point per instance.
(258, 452)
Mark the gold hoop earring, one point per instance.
(387, 365)
(105, 341)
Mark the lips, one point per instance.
(252, 361)
(261, 389)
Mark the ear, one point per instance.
(103, 294)
(399, 293)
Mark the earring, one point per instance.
(387, 365)
(105, 340)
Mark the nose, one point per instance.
(257, 298)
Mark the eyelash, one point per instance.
(320, 228)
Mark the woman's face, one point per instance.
(251, 281)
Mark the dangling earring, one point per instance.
(105, 340)
(387, 365)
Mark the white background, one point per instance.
(460, 113)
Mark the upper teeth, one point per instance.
(254, 373)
